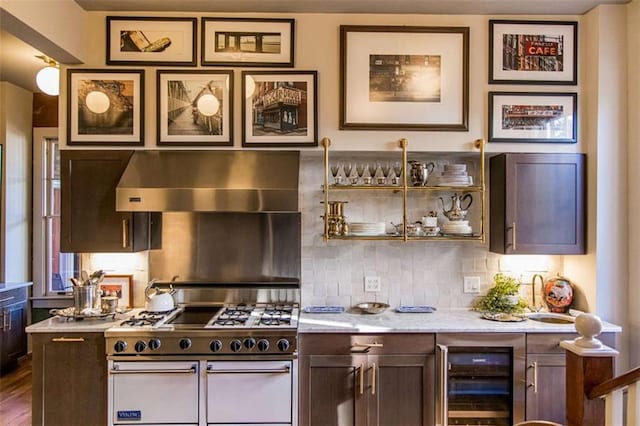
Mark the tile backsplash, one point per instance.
(411, 273)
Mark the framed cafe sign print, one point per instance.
(533, 52)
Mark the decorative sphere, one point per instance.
(588, 325)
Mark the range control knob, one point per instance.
(283, 345)
(184, 344)
(249, 343)
(216, 345)
(263, 345)
(120, 346)
(154, 344)
(140, 346)
(236, 345)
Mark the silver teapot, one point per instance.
(457, 212)
(419, 172)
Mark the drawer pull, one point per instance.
(285, 370)
(125, 233)
(6, 299)
(373, 379)
(534, 385)
(191, 370)
(365, 347)
(513, 236)
(68, 339)
(361, 371)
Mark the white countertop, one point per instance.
(441, 321)
(70, 325)
(11, 286)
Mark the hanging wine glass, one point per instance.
(347, 170)
(386, 169)
(397, 170)
(335, 171)
(360, 167)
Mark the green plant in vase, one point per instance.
(502, 297)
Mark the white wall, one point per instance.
(633, 47)
(15, 229)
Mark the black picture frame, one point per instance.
(533, 117)
(105, 107)
(553, 48)
(172, 42)
(432, 93)
(184, 112)
(279, 108)
(247, 42)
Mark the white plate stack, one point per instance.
(453, 175)
(366, 228)
(457, 227)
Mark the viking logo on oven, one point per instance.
(130, 415)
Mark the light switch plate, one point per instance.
(472, 285)
(372, 284)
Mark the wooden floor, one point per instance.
(15, 395)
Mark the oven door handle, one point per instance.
(285, 370)
(192, 370)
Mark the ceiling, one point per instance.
(474, 7)
(19, 65)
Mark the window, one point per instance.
(52, 269)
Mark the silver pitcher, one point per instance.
(419, 172)
(457, 212)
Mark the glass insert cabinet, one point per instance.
(404, 195)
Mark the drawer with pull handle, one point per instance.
(10, 297)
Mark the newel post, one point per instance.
(589, 363)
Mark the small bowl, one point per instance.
(372, 307)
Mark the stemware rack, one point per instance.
(406, 190)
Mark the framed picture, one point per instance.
(279, 108)
(194, 107)
(247, 42)
(404, 78)
(533, 117)
(151, 41)
(533, 52)
(105, 107)
(120, 286)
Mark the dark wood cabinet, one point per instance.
(344, 381)
(69, 379)
(89, 220)
(537, 203)
(13, 320)
(546, 369)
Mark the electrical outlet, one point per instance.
(372, 284)
(471, 284)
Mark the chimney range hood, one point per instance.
(210, 181)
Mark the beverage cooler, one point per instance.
(481, 381)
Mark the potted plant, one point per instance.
(502, 297)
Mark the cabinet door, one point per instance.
(89, 220)
(14, 342)
(538, 203)
(546, 399)
(401, 390)
(69, 379)
(333, 390)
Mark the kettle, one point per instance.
(157, 300)
(456, 212)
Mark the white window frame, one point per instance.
(41, 248)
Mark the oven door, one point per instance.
(250, 392)
(149, 392)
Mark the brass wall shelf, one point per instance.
(405, 190)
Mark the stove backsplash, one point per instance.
(228, 248)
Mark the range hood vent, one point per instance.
(210, 181)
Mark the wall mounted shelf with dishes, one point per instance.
(438, 189)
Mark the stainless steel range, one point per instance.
(227, 354)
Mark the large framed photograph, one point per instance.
(194, 107)
(152, 41)
(533, 117)
(247, 42)
(404, 78)
(533, 52)
(120, 286)
(279, 108)
(105, 107)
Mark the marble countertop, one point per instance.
(13, 286)
(69, 325)
(441, 321)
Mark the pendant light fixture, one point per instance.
(48, 78)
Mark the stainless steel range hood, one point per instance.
(210, 181)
